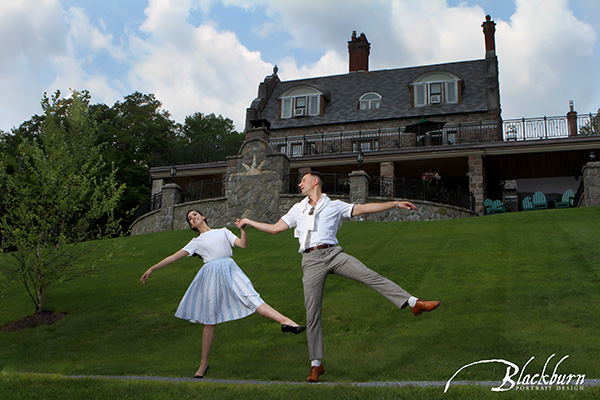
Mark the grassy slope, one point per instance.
(512, 286)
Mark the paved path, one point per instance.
(588, 382)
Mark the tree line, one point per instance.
(76, 173)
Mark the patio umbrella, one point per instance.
(424, 126)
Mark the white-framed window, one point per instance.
(369, 101)
(365, 145)
(436, 88)
(296, 149)
(302, 101)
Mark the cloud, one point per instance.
(546, 59)
(546, 54)
(194, 68)
(32, 33)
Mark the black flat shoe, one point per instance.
(294, 329)
(202, 376)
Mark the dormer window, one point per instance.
(304, 101)
(436, 88)
(369, 101)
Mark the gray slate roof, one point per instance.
(393, 85)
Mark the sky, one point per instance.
(209, 56)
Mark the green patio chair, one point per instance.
(527, 204)
(498, 207)
(539, 201)
(567, 200)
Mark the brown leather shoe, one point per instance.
(315, 372)
(423, 305)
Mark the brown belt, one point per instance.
(319, 247)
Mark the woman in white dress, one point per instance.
(220, 291)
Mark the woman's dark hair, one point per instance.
(188, 220)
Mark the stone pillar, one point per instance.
(476, 181)
(359, 187)
(388, 173)
(591, 183)
(157, 185)
(510, 195)
(171, 195)
(255, 178)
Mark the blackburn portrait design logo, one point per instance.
(536, 381)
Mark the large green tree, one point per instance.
(56, 196)
(129, 133)
(202, 138)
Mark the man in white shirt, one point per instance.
(316, 220)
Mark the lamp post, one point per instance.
(173, 173)
(592, 156)
(360, 158)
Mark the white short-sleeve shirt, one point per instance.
(327, 221)
(213, 244)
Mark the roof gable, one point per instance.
(344, 91)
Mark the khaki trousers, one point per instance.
(316, 265)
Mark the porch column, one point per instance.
(591, 183)
(476, 181)
(359, 187)
(387, 171)
(171, 195)
(157, 185)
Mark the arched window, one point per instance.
(369, 101)
(301, 101)
(436, 88)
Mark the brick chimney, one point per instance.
(358, 51)
(489, 29)
(572, 119)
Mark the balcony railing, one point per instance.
(152, 203)
(450, 134)
(206, 189)
(402, 188)
(547, 127)
(332, 183)
(414, 189)
(385, 139)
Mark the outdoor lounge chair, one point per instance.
(567, 200)
(527, 205)
(494, 207)
(539, 201)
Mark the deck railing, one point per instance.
(415, 189)
(150, 204)
(451, 134)
(385, 139)
(547, 127)
(206, 189)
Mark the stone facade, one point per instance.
(256, 178)
(476, 180)
(591, 182)
(255, 188)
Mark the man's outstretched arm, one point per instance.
(370, 208)
(275, 228)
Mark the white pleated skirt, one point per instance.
(220, 292)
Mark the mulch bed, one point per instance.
(31, 321)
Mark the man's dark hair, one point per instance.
(316, 174)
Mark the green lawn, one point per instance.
(512, 286)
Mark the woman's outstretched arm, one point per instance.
(168, 260)
(242, 241)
